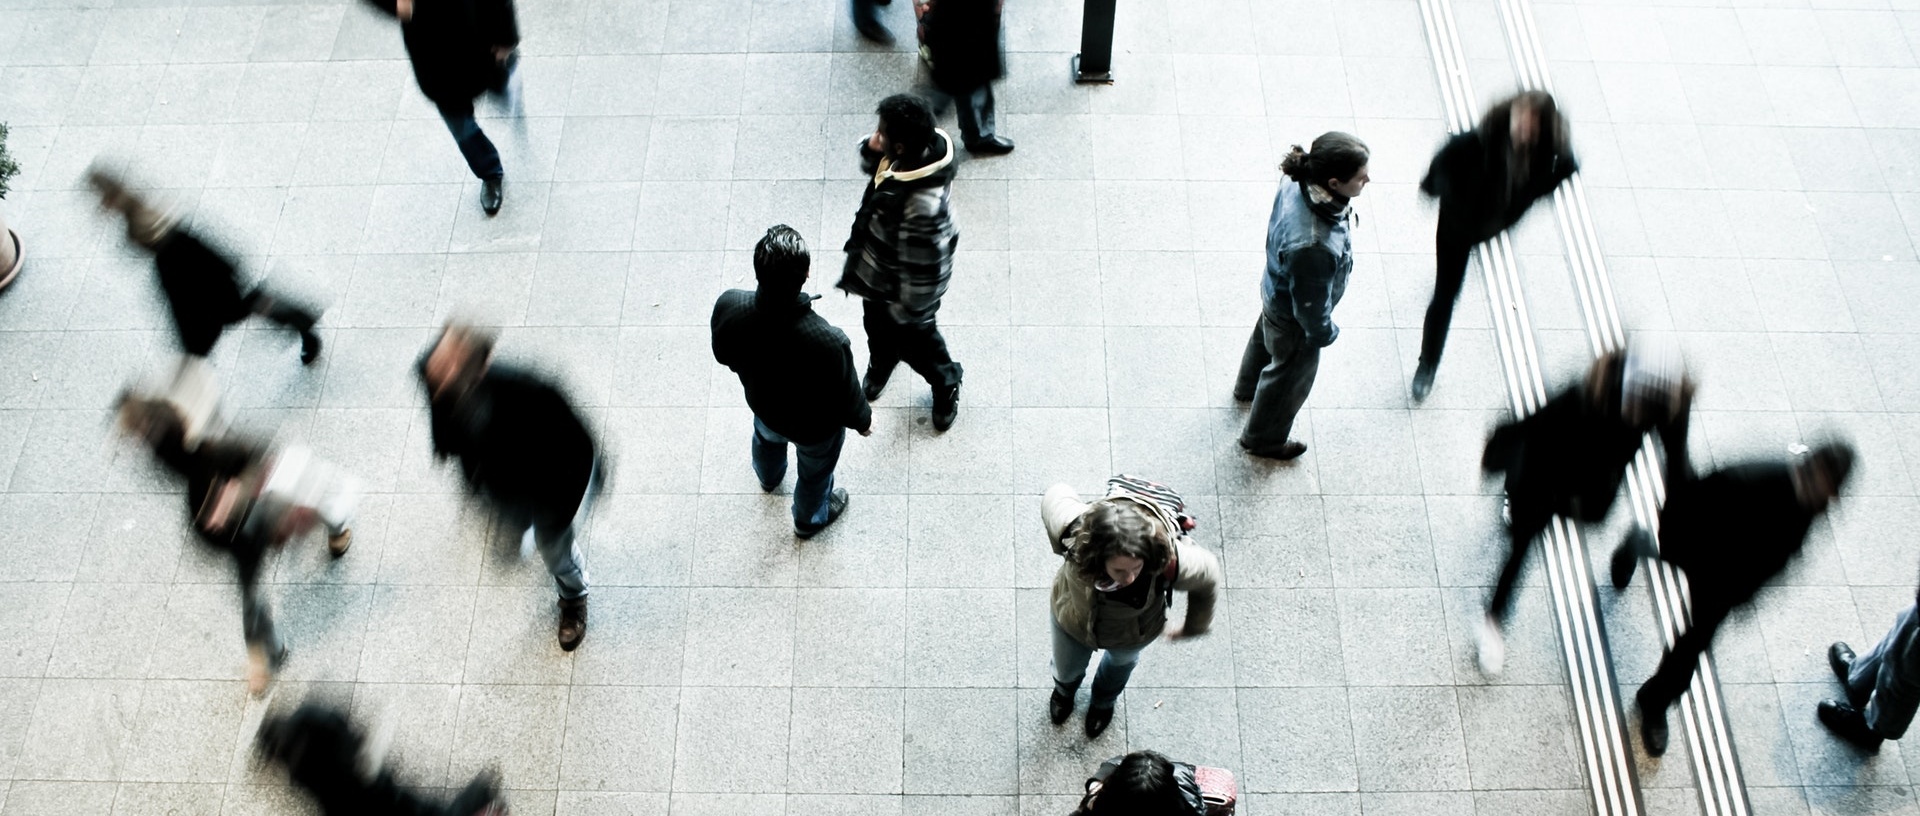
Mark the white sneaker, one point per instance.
(1493, 647)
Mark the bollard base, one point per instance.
(1085, 78)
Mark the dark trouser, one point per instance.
(1676, 668)
(1452, 246)
(1530, 519)
(814, 482)
(974, 107)
(281, 312)
(1276, 372)
(1884, 684)
(481, 156)
(866, 13)
(919, 345)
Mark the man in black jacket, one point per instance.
(800, 378)
(1569, 457)
(963, 38)
(1485, 179)
(461, 49)
(521, 445)
(900, 253)
(1731, 531)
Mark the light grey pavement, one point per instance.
(1109, 274)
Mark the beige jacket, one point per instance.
(1083, 613)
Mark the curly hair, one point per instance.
(1111, 528)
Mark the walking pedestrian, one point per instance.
(1731, 531)
(1309, 256)
(246, 500)
(461, 49)
(900, 254)
(1882, 688)
(1486, 179)
(334, 762)
(1124, 555)
(202, 286)
(799, 375)
(963, 40)
(522, 446)
(1569, 457)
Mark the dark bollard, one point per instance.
(1094, 63)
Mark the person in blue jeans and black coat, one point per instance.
(1309, 257)
(799, 375)
(461, 49)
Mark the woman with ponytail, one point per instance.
(1308, 259)
(1485, 180)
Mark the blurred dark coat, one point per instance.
(1573, 454)
(1732, 530)
(1480, 193)
(519, 442)
(797, 368)
(205, 467)
(964, 36)
(321, 751)
(451, 42)
(203, 291)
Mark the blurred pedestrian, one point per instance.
(325, 755)
(799, 375)
(1146, 783)
(1124, 555)
(1882, 688)
(866, 19)
(900, 254)
(203, 289)
(462, 49)
(1569, 457)
(1485, 179)
(244, 500)
(963, 41)
(522, 446)
(1309, 256)
(1731, 531)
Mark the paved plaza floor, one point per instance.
(1754, 171)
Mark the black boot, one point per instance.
(1840, 657)
(1653, 725)
(1060, 705)
(1098, 718)
(1423, 382)
(573, 623)
(1626, 558)
(946, 407)
(1847, 723)
(875, 382)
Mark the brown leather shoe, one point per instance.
(573, 623)
(337, 544)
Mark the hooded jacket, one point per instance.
(1309, 256)
(519, 442)
(797, 368)
(1480, 191)
(1096, 621)
(901, 249)
(451, 42)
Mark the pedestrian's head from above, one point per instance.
(906, 126)
(1144, 785)
(1821, 473)
(1121, 543)
(780, 260)
(1531, 118)
(1337, 162)
(149, 419)
(458, 360)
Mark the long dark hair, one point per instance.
(1143, 785)
(1335, 155)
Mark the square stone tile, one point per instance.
(733, 740)
(961, 741)
(619, 739)
(846, 741)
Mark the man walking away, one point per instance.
(461, 49)
(1883, 688)
(799, 375)
(964, 39)
(1731, 531)
(900, 254)
(522, 445)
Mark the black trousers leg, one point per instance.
(1452, 246)
(1530, 519)
(924, 349)
(1676, 668)
(883, 348)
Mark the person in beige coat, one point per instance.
(1124, 555)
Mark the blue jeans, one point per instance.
(1070, 655)
(479, 151)
(815, 480)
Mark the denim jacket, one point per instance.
(1309, 256)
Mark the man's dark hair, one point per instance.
(1143, 785)
(780, 260)
(908, 123)
(1835, 459)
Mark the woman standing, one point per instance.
(1486, 179)
(1308, 259)
(1124, 554)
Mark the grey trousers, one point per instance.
(1070, 656)
(1885, 674)
(1276, 372)
(557, 542)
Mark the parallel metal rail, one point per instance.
(1710, 742)
(1583, 642)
